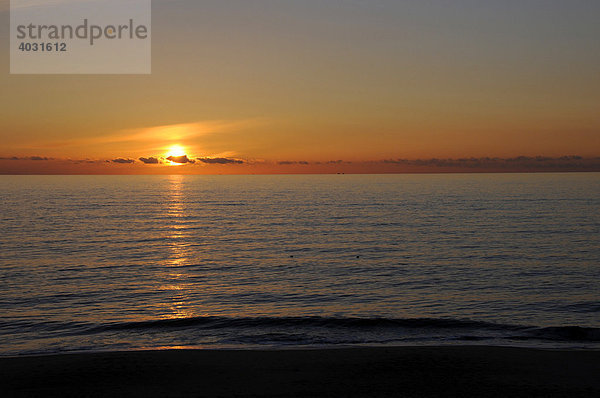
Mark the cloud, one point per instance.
(159, 137)
(220, 161)
(149, 160)
(530, 163)
(291, 162)
(180, 159)
(27, 158)
(123, 161)
(86, 161)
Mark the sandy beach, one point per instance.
(352, 372)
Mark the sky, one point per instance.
(243, 86)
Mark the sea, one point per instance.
(112, 263)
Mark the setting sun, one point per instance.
(175, 150)
(176, 156)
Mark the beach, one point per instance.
(347, 372)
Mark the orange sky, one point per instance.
(293, 86)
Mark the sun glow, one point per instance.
(175, 150)
(176, 156)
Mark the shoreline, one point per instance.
(408, 371)
(292, 348)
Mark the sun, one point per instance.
(176, 156)
(175, 150)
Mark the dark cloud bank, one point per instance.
(123, 161)
(180, 159)
(305, 163)
(220, 161)
(149, 160)
(517, 163)
(520, 163)
(28, 158)
(482, 164)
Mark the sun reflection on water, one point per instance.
(176, 282)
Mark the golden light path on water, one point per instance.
(179, 306)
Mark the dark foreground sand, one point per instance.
(355, 372)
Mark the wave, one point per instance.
(583, 307)
(462, 329)
(563, 333)
(224, 322)
(313, 330)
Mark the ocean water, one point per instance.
(131, 262)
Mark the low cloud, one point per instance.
(37, 158)
(339, 162)
(532, 163)
(573, 163)
(180, 159)
(292, 162)
(220, 161)
(123, 161)
(150, 160)
(86, 161)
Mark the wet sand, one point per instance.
(467, 371)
